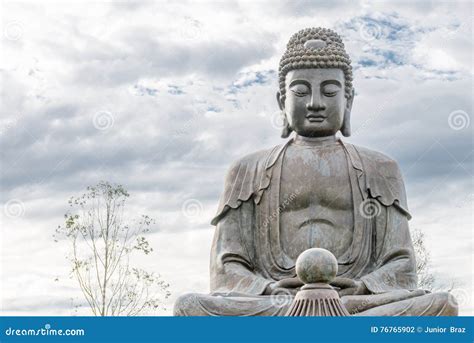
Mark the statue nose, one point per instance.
(315, 106)
(315, 103)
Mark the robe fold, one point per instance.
(247, 252)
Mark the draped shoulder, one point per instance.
(247, 179)
(384, 181)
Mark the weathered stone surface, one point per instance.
(316, 265)
(314, 191)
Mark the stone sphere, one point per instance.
(316, 265)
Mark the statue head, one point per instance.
(315, 78)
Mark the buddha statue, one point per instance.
(314, 191)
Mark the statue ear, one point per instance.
(285, 133)
(346, 123)
(281, 104)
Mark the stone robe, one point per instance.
(247, 253)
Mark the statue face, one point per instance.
(315, 101)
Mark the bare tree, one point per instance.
(426, 278)
(102, 244)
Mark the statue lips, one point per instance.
(314, 117)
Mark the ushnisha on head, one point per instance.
(315, 84)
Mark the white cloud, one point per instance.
(189, 88)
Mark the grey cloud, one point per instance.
(166, 147)
(145, 54)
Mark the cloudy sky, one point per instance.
(162, 96)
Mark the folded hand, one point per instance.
(291, 285)
(349, 287)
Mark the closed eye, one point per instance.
(331, 90)
(300, 94)
(300, 90)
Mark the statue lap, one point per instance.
(431, 304)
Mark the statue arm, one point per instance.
(393, 255)
(395, 263)
(231, 264)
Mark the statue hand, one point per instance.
(291, 284)
(349, 287)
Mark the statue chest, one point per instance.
(315, 200)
